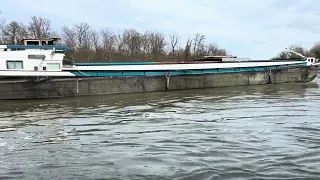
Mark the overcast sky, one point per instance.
(257, 29)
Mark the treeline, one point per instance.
(91, 45)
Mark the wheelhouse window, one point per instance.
(35, 42)
(14, 64)
(53, 66)
(36, 56)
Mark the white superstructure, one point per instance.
(36, 57)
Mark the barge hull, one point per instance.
(86, 86)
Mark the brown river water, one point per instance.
(257, 132)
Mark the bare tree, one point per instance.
(132, 42)
(96, 46)
(95, 39)
(69, 37)
(198, 45)
(146, 44)
(108, 43)
(120, 45)
(80, 39)
(157, 43)
(315, 50)
(2, 22)
(187, 49)
(13, 32)
(173, 42)
(83, 37)
(82, 34)
(39, 27)
(214, 50)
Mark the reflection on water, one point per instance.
(257, 132)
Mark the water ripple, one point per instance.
(260, 132)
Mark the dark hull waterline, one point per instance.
(46, 87)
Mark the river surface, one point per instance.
(257, 132)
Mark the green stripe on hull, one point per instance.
(114, 63)
(182, 72)
(106, 73)
(154, 73)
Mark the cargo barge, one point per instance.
(38, 69)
